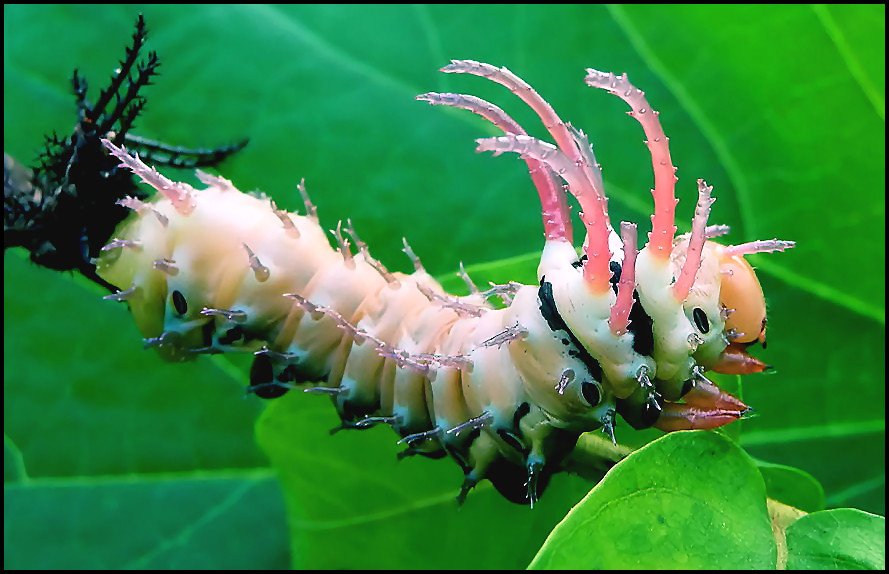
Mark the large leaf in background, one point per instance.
(780, 108)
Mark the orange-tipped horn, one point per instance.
(679, 416)
(735, 360)
(706, 406)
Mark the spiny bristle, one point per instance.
(167, 266)
(762, 246)
(565, 380)
(128, 295)
(418, 266)
(229, 314)
(260, 271)
(121, 243)
(365, 252)
(343, 244)
(275, 354)
(451, 302)
(142, 208)
(434, 433)
(181, 195)
(289, 227)
(478, 422)
(466, 279)
(511, 333)
(216, 181)
(311, 210)
(505, 292)
(712, 231)
(368, 421)
(316, 311)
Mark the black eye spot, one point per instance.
(179, 303)
(700, 319)
(591, 393)
(686, 386)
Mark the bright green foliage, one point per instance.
(653, 512)
(841, 539)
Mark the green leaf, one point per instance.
(792, 486)
(94, 437)
(781, 108)
(690, 500)
(146, 522)
(842, 539)
(351, 504)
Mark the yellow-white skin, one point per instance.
(206, 247)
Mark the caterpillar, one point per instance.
(504, 389)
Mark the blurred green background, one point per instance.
(114, 459)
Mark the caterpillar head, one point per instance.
(741, 292)
(742, 299)
(726, 306)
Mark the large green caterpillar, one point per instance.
(505, 390)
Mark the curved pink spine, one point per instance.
(596, 270)
(592, 199)
(620, 311)
(695, 243)
(556, 219)
(663, 227)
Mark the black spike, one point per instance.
(64, 210)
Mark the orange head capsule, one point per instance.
(741, 293)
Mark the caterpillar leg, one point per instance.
(706, 407)
(679, 416)
(735, 360)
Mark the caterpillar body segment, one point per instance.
(503, 391)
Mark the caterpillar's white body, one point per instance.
(217, 270)
(212, 271)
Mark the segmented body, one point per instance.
(387, 345)
(504, 391)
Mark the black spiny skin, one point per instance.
(64, 209)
